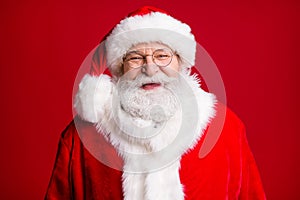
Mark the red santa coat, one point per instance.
(228, 171)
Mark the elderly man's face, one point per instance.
(148, 86)
(164, 60)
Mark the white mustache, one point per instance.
(143, 79)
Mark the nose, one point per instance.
(150, 67)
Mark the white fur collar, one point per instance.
(151, 165)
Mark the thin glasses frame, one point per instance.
(138, 59)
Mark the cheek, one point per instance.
(173, 69)
(125, 68)
(131, 73)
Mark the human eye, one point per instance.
(134, 57)
(162, 55)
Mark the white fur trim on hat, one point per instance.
(152, 27)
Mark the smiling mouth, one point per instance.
(150, 86)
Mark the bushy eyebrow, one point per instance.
(141, 53)
(134, 51)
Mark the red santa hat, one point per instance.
(147, 24)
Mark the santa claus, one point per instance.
(139, 130)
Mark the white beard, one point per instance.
(142, 114)
(158, 105)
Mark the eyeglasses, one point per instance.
(136, 59)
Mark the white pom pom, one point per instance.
(93, 93)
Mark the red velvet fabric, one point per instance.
(146, 10)
(228, 171)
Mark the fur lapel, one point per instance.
(151, 164)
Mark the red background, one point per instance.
(254, 44)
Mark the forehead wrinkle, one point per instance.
(149, 46)
(144, 51)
